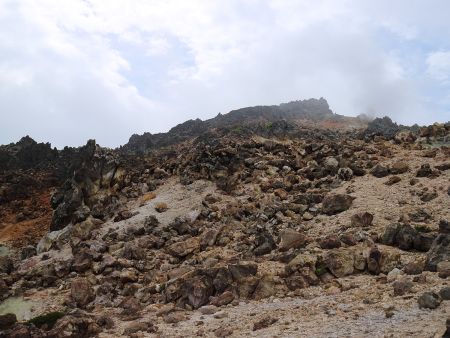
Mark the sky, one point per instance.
(78, 69)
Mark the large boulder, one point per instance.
(76, 324)
(336, 203)
(6, 264)
(81, 292)
(405, 237)
(264, 243)
(429, 300)
(182, 249)
(362, 219)
(340, 262)
(242, 270)
(380, 171)
(7, 321)
(399, 167)
(291, 239)
(91, 172)
(440, 249)
(198, 290)
(383, 260)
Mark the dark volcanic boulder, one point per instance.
(7, 321)
(429, 300)
(362, 219)
(405, 237)
(198, 290)
(440, 249)
(424, 171)
(379, 171)
(336, 203)
(264, 243)
(81, 292)
(382, 127)
(66, 201)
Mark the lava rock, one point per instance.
(340, 262)
(336, 203)
(424, 171)
(380, 171)
(362, 219)
(182, 249)
(291, 239)
(330, 242)
(444, 293)
(7, 321)
(81, 292)
(399, 167)
(429, 300)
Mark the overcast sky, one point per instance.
(77, 69)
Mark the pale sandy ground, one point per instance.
(359, 312)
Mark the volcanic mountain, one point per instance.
(284, 221)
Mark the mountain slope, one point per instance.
(263, 222)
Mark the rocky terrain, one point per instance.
(277, 221)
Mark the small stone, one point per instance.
(443, 266)
(330, 242)
(220, 315)
(393, 180)
(208, 309)
(428, 196)
(182, 249)
(389, 311)
(161, 207)
(263, 323)
(394, 274)
(174, 317)
(447, 331)
(307, 216)
(225, 298)
(138, 326)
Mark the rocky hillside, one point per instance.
(264, 222)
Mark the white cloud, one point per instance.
(439, 65)
(106, 69)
